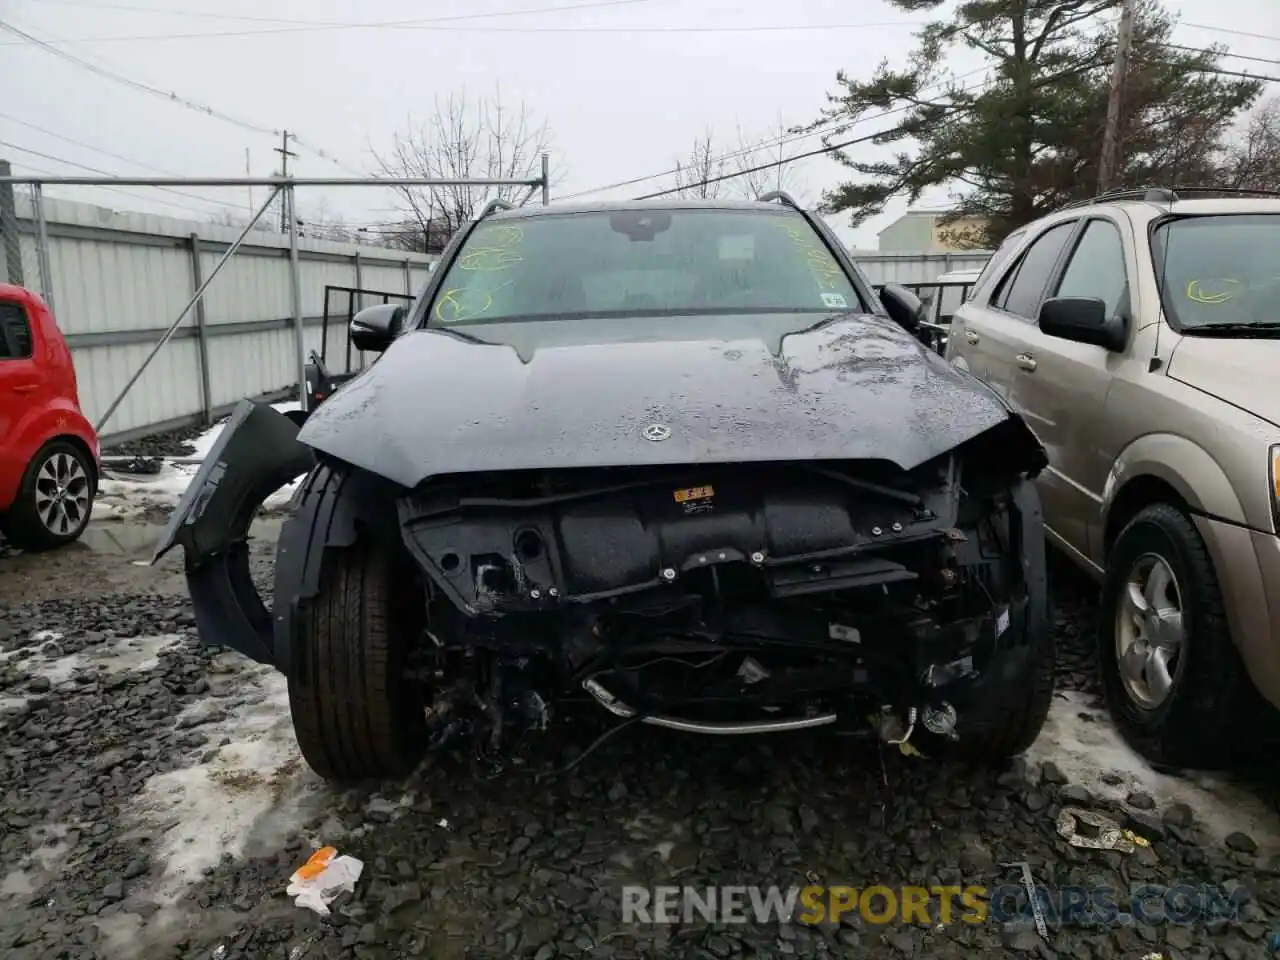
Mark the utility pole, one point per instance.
(248, 173)
(286, 212)
(1109, 162)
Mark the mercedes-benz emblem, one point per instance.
(656, 432)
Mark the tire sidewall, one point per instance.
(1151, 532)
(24, 525)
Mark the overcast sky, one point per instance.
(625, 85)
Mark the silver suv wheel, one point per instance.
(1149, 632)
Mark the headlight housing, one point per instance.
(1274, 484)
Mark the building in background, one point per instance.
(922, 231)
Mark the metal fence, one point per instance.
(341, 304)
(908, 268)
(170, 321)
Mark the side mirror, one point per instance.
(904, 307)
(1082, 320)
(373, 328)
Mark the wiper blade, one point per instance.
(470, 338)
(1262, 330)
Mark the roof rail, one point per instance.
(1187, 193)
(493, 206)
(781, 196)
(1170, 194)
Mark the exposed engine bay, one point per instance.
(720, 600)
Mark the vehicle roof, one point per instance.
(1192, 206)
(615, 206)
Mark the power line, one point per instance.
(778, 141)
(830, 148)
(334, 23)
(107, 173)
(775, 163)
(1218, 53)
(417, 23)
(1237, 33)
(136, 84)
(1218, 71)
(746, 151)
(174, 12)
(628, 31)
(108, 153)
(168, 95)
(294, 26)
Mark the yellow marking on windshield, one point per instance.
(488, 259)
(462, 304)
(822, 266)
(497, 254)
(1196, 295)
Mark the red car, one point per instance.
(49, 456)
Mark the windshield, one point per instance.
(1219, 271)
(642, 263)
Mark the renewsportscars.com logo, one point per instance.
(1069, 906)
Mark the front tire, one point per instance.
(55, 498)
(1174, 681)
(1021, 696)
(355, 715)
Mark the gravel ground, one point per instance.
(153, 804)
(175, 443)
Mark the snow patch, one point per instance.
(129, 654)
(243, 799)
(1082, 741)
(40, 866)
(125, 496)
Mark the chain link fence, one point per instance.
(24, 263)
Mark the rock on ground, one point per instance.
(153, 805)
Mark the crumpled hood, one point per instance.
(1241, 372)
(569, 395)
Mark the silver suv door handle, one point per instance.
(970, 336)
(1026, 361)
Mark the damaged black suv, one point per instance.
(676, 459)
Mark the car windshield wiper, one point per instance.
(469, 337)
(1261, 330)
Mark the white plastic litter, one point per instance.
(317, 883)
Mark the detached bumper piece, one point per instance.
(256, 454)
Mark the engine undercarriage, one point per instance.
(739, 599)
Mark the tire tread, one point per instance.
(351, 721)
(1201, 730)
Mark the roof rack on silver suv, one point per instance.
(1170, 194)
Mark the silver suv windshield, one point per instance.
(647, 262)
(1220, 273)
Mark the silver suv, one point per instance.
(1139, 337)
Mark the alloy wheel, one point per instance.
(1150, 636)
(62, 494)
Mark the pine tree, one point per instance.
(1024, 138)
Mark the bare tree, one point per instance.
(323, 224)
(696, 174)
(462, 139)
(1254, 161)
(231, 218)
(773, 150)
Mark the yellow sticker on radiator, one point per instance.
(694, 493)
